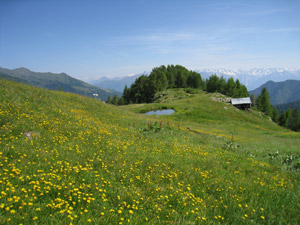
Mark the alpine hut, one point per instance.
(241, 103)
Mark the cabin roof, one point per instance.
(239, 101)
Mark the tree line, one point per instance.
(145, 88)
(289, 119)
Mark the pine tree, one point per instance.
(282, 119)
(294, 120)
(159, 78)
(263, 102)
(108, 100)
(288, 116)
(253, 100)
(164, 81)
(230, 87)
(194, 80)
(244, 91)
(212, 83)
(171, 76)
(126, 95)
(221, 85)
(258, 103)
(114, 100)
(237, 90)
(121, 101)
(180, 80)
(275, 115)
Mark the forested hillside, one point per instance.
(290, 105)
(288, 117)
(145, 88)
(281, 92)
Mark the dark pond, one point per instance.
(161, 112)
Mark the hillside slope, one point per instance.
(54, 81)
(211, 114)
(290, 105)
(71, 159)
(281, 92)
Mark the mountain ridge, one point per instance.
(54, 81)
(252, 78)
(290, 105)
(280, 92)
(117, 83)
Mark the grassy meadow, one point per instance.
(69, 159)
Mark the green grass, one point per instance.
(89, 162)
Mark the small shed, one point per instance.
(241, 103)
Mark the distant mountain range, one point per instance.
(117, 83)
(254, 78)
(281, 92)
(250, 78)
(54, 81)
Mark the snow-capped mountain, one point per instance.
(253, 72)
(252, 78)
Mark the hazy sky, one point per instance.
(89, 39)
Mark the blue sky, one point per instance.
(90, 39)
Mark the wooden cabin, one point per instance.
(241, 103)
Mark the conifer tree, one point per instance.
(230, 87)
(121, 101)
(253, 100)
(221, 85)
(282, 119)
(159, 78)
(194, 80)
(114, 100)
(275, 115)
(237, 90)
(171, 76)
(108, 100)
(244, 91)
(180, 81)
(288, 116)
(263, 102)
(294, 120)
(212, 83)
(126, 95)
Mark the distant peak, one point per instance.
(269, 82)
(22, 69)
